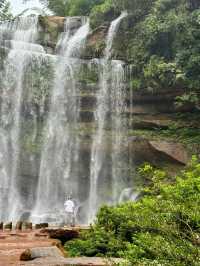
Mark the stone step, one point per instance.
(82, 261)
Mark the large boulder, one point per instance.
(95, 43)
(175, 151)
(62, 234)
(157, 152)
(40, 252)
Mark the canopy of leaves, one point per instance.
(160, 39)
(92, 7)
(161, 229)
(71, 7)
(5, 12)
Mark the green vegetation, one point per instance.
(179, 127)
(5, 12)
(162, 228)
(161, 41)
(160, 38)
(110, 9)
(71, 7)
(163, 47)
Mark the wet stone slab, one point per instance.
(82, 261)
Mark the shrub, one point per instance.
(160, 229)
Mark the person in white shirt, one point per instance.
(69, 210)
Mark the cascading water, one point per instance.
(25, 31)
(98, 155)
(59, 159)
(22, 54)
(112, 34)
(43, 154)
(120, 158)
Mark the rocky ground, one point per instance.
(36, 247)
(13, 244)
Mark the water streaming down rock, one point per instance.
(120, 158)
(59, 160)
(98, 154)
(22, 34)
(36, 96)
(112, 34)
(43, 155)
(11, 109)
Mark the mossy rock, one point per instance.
(51, 27)
(95, 43)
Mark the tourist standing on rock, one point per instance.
(70, 212)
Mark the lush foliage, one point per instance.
(71, 7)
(160, 229)
(160, 39)
(99, 10)
(109, 9)
(169, 49)
(166, 44)
(5, 12)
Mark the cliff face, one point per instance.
(147, 110)
(155, 130)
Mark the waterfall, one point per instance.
(112, 33)
(119, 129)
(98, 154)
(50, 146)
(24, 59)
(25, 31)
(59, 166)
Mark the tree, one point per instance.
(162, 228)
(82, 7)
(58, 7)
(5, 12)
(70, 7)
